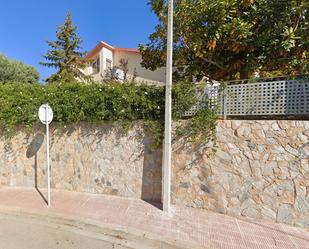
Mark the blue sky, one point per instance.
(25, 25)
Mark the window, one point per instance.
(108, 64)
(96, 66)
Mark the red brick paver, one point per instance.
(212, 230)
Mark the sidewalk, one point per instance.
(211, 230)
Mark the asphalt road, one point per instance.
(23, 234)
(18, 232)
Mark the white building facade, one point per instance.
(105, 59)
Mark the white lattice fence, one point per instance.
(268, 98)
(289, 97)
(210, 96)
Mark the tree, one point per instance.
(66, 55)
(15, 71)
(119, 73)
(111, 74)
(124, 66)
(231, 39)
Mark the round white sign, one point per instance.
(46, 114)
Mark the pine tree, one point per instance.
(66, 55)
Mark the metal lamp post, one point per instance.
(167, 152)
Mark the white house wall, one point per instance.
(134, 63)
(107, 55)
(104, 54)
(144, 75)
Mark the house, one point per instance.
(106, 60)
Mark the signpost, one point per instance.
(46, 116)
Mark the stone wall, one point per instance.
(259, 169)
(90, 158)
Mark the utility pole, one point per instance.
(167, 152)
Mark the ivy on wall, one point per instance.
(77, 102)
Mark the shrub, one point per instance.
(77, 102)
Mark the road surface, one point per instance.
(19, 232)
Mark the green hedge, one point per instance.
(76, 102)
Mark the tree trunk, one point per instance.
(244, 73)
